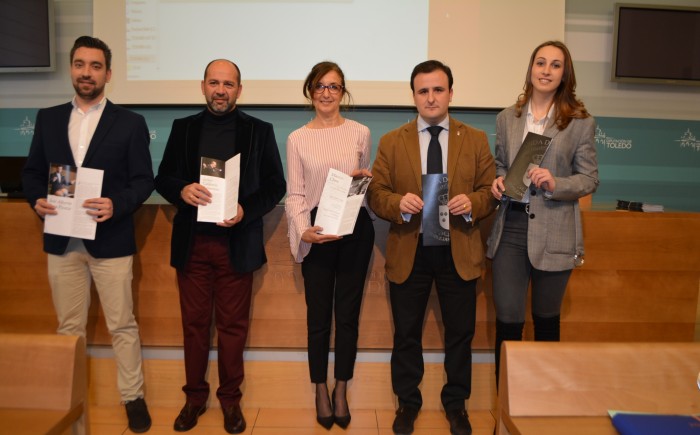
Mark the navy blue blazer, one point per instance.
(120, 148)
(262, 186)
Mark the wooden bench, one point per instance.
(43, 384)
(540, 380)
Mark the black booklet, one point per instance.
(436, 215)
(529, 156)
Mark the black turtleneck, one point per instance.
(218, 141)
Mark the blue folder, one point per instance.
(655, 424)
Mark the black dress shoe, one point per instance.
(233, 419)
(403, 423)
(138, 416)
(459, 422)
(341, 420)
(187, 419)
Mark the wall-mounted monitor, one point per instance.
(27, 36)
(656, 44)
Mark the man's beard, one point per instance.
(93, 93)
(219, 109)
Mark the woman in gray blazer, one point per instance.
(538, 238)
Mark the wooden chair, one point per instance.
(545, 379)
(43, 384)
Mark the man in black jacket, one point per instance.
(215, 262)
(92, 132)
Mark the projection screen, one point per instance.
(160, 47)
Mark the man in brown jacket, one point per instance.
(434, 143)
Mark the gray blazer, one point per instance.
(554, 238)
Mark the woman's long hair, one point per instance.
(566, 105)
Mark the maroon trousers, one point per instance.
(209, 286)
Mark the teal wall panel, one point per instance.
(649, 160)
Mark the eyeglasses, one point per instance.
(333, 88)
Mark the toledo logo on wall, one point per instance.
(26, 128)
(601, 138)
(688, 140)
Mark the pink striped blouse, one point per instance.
(311, 153)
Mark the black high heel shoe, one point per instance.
(341, 420)
(326, 422)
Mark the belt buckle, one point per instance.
(527, 208)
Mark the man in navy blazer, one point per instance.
(215, 262)
(92, 132)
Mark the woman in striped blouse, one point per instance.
(333, 267)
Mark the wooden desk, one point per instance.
(43, 384)
(559, 388)
(37, 421)
(560, 425)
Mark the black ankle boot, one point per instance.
(506, 331)
(546, 328)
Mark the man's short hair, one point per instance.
(429, 66)
(90, 42)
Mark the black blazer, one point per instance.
(262, 186)
(120, 148)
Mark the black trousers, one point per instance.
(336, 272)
(409, 301)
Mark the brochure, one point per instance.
(340, 203)
(222, 180)
(529, 156)
(436, 215)
(68, 188)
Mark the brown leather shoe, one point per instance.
(187, 419)
(233, 419)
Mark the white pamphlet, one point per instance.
(340, 202)
(69, 187)
(221, 179)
